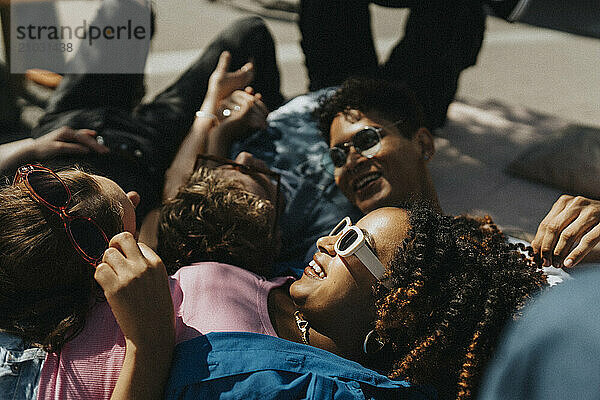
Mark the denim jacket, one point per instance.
(241, 365)
(292, 145)
(19, 369)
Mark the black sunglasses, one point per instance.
(366, 142)
(248, 170)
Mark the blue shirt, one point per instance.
(241, 365)
(553, 351)
(293, 146)
(19, 368)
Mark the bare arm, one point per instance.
(221, 85)
(135, 284)
(62, 141)
(16, 153)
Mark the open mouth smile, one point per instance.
(364, 181)
(314, 270)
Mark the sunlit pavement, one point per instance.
(545, 70)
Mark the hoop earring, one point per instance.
(372, 341)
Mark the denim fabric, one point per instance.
(293, 146)
(19, 368)
(242, 365)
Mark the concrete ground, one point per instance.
(548, 71)
(545, 70)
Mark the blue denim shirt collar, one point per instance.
(248, 365)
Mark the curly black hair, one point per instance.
(392, 101)
(456, 282)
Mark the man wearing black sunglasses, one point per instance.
(379, 146)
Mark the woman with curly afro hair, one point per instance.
(450, 286)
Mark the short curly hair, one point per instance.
(456, 282)
(213, 218)
(392, 101)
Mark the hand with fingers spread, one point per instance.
(222, 83)
(65, 141)
(135, 285)
(569, 231)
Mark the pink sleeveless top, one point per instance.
(207, 297)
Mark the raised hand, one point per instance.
(222, 83)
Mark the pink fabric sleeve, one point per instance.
(207, 297)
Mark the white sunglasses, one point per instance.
(352, 241)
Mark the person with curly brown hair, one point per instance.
(221, 214)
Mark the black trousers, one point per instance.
(10, 112)
(441, 39)
(144, 138)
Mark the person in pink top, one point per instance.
(55, 229)
(207, 297)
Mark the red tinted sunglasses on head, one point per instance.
(46, 187)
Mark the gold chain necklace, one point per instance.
(303, 326)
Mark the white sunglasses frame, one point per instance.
(344, 222)
(360, 249)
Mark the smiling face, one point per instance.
(340, 302)
(393, 175)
